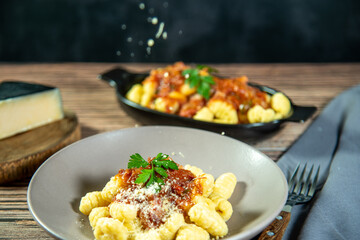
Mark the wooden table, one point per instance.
(96, 106)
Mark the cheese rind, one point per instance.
(24, 106)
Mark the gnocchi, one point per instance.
(185, 204)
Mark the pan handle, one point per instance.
(120, 77)
(301, 113)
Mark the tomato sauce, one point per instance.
(177, 194)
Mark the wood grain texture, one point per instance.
(22, 154)
(95, 104)
(276, 229)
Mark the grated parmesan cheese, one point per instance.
(149, 204)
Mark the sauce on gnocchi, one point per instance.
(184, 204)
(179, 189)
(207, 97)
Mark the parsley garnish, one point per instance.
(202, 83)
(136, 161)
(158, 165)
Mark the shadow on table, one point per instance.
(88, 131)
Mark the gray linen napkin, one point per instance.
(333, 142)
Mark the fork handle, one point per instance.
(277, 228)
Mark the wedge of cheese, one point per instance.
(24, 106)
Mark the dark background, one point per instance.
(197, 31)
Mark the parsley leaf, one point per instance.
(208, 79)
(160, 181)
(160, 161)
(136, 161)
(204, 90)
(202, 83)
(143, 176)
(161, 156)
(151, 180)
(157, 166)
(161, 171)
(167, 164)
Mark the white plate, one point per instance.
(57, 186)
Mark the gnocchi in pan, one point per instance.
(160, 199)
(199, 94)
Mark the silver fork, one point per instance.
(301, 190)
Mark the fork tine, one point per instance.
(314, 183)
(300, 182)
(307, 183)
(293, 177)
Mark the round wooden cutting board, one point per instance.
(22, 154)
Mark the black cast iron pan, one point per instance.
(122, 80)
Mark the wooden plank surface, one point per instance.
(96, 106)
